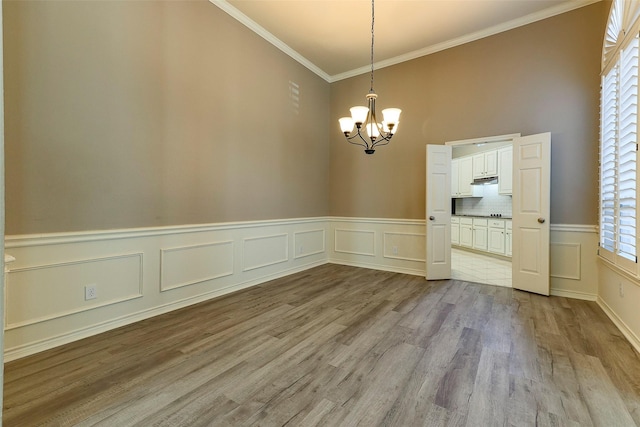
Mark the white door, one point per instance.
(531, 209)
(438, 212)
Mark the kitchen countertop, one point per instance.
(482, 216)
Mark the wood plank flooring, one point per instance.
(342, 346)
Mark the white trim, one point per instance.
(573, 294)
(390, 221)
(574, 228)
(626, 331)
(488, 139)
(35, 347)
(29, 240)
(496, 29)
(26, 240)
(392, 269)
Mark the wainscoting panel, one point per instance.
(355, 242)
(565, 262)
(572, 263)
(309, 242)
(188, 265)
(382, 244)
(264, 251)
(406, 246)
(33, 293)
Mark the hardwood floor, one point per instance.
(342, 346)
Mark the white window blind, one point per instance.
(618, 159)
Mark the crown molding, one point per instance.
(496, 29)
(262, 32)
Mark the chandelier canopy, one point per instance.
(364, 118)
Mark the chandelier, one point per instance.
(365, 117)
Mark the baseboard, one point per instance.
(78, 334)
(392, 269)
(626, 331)
(573, 294)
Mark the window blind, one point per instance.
(618, 158)
(628, 126)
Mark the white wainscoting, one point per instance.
(369, 243)
(188, 265)
(140, 273)
(572, 265)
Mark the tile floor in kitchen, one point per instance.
(478, 268)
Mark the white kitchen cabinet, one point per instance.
(505, 171)
(508, 234)
(485, 164)
(461, 178)
(480, 234)
(496, 236)
(466, 232)
(455, 230)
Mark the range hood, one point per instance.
(485, 180)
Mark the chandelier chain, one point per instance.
(372, 37)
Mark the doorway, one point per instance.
(481, 210)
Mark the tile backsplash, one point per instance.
(490, 203)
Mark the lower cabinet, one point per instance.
(496, 237)
(508, 238)
(466, 232)
(455, 230)
(480, 235)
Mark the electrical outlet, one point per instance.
(394, 249)
(90, 292)
(621, 289)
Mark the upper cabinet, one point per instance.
(461, 178)
(505, 171)
(485, 164)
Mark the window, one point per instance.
(619, 138)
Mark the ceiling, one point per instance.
(333, 37)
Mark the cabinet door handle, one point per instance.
(432, 218)
(541, 220)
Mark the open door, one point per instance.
(438, 212)
(531, 210)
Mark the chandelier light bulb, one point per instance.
(372, 130)
(359, 115)
(391, 115)
(346, 125)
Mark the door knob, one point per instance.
(541, 220)
(432, 218)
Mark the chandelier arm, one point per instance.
(380, 143)
(365, 145)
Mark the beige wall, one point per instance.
(537, 78)
(133, 114)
